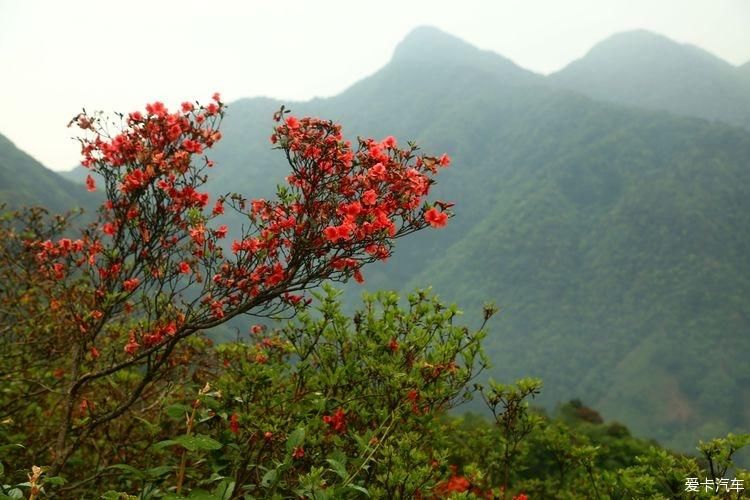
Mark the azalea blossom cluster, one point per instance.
(342, 209)
(458, 483)
(150, 229)
(337, 421)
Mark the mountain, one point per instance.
(25, 181)
(613, 238)
(745, 70)
(430, 46)
(647, 70)
(617, 256)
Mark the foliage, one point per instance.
(331, 406)
(325, 408)
(568, 456)
(108, 324)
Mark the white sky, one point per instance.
(59, 56)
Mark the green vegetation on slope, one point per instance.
(25, 181)
(619, 258)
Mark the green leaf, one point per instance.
(164, 444)
(152, 427)
(296, 438)
(268, 478)
(198, 494)
(338, 468)
(159, 471)
(361, 489)
(224, 489)
(56, 480)
(127, 468)
(198, 442)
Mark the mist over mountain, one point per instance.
(613, 238)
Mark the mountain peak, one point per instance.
(428, 42)
(641, 35)
(647, 47)
(430, 45)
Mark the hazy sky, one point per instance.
(59, 56)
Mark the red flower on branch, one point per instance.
(131, 284)
(436, 218)
(337, 421)
(234, 423)
(393, 344)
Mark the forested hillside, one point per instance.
(25, 181)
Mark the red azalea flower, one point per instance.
(370, 197)
(393, 345)
(377, 171)
(132, 346)
(131, 284)
(331, 233)
(222, 231)
(234, 423)
(337, 421)
(109, 229)
(292, 122)
(358, 276)
(436, 218)
(157, 109)
(218, 208)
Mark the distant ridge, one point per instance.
(643, 69)
(24, 181)
(650, 48)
